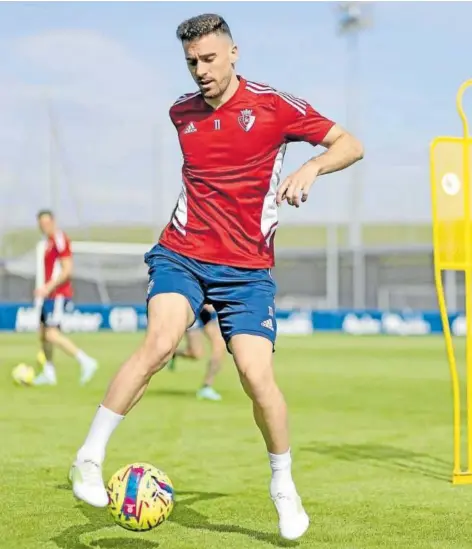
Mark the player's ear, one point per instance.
(234, 54)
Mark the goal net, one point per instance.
(104, 272)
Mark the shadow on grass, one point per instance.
(96, 520)
(179, 393)
(183, 515)
(385, 457)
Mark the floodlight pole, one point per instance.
(352, 22)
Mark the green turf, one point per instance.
(371, 421)
(290, 236)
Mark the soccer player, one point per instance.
(206, 324)
(219, 247)
(56, 294)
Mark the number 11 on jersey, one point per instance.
(217, 123)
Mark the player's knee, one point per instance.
(157, 350)
(258, 382)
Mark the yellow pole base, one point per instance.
(464, 478)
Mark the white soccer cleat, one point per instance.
(88, 371)
(208, 393)
(44, 379)
(87, 483)
(293, 520)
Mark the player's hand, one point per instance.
(297, 185)
(42, 291)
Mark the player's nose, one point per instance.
(200, 70)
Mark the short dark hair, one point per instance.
(202, 25)
(42, 213)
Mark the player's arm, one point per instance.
(303, 123)
(343, 150)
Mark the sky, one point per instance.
(85, 90)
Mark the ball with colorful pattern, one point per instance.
(141, 497)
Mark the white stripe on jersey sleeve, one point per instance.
(295, 102)
(259, 86)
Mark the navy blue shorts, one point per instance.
(243, 298)
(53, 310)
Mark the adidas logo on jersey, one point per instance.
(268, 324)
(190, 128)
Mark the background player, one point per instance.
(206, 324)
(219, 247)
(56, 294)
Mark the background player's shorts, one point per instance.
(52, 311)
(204, 318)
(242, 298)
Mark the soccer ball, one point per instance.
(141, 497)
(23, 374)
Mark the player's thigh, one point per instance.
(168, 314)
(246, 313)
(175, 296)
(42, 330)
(169, 273)
(52, 334)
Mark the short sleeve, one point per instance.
(62, 244)
(300, 120)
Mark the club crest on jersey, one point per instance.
(246, 120)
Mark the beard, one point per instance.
(215, 88)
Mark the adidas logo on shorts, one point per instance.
(268, 324)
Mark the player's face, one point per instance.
(46, 225)
(210, 60)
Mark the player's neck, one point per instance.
(232, 88)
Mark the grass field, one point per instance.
(371, 420)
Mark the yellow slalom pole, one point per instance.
(468, 265)
(450, 164)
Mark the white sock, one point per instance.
(82, 358)
(103, 425)
(49, 370)
(281, 465)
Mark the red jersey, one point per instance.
(232, 158)
(57, 247)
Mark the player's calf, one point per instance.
(48, 371)
(51, 336)
(253, 357)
